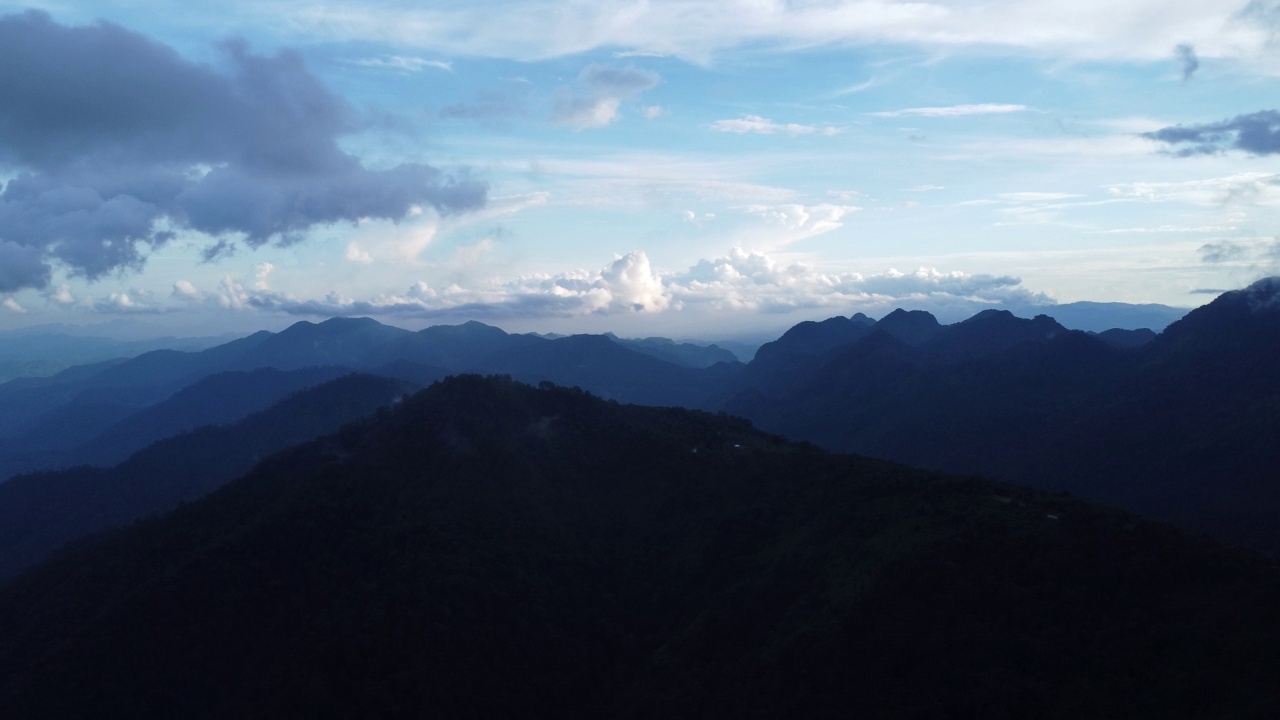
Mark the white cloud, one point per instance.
(926, 188)
(797, 221)
(763, 126)
(62, 295)
(697, 29)
(654, 112)
(1240, 189)
(12, 306)
(953, 111)
(584, 113)
(1035, 197)
(741, 281)
(357, 254)
(404, 63)
(605, 89)
(185, 290)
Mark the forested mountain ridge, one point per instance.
(59, 421)
(40, 512)
(486, 549)
(1179, 427)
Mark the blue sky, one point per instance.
(678, 168)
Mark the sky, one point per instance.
(681, 168)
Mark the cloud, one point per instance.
(1261, 254)
(696, 30)
(1188, 63)
(1224, 251)
(487, 107)
(606, 88)
(403, 63)
(12, 306)
(1239, 189)
(1256, 133)
(116, 143)
(801, 221)
(654, 112)
(21, 266)
(62, 295)
(742, 281)
(926, 188)
(953, 111)
(763, 126)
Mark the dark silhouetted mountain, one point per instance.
(347, 342)
(1177, 428)
(485, 549)
(68, 418)
(43, 511)
(460, 348)
(615, 372)
(1127, 339)
(778, 364)
(913, 327)
(1099, 317)
(684, 354)
(214, 400)
(989, 332)
(46, 353)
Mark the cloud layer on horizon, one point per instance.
(740, 281)
(114, 143)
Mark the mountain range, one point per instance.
(487, 549)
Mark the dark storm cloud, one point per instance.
(116, 140)
(1256, 133)
(1187, 60)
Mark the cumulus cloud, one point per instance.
(116, 143)
(12, 306)
(602, 91)
(1188, 63)
(763, 126)
(1256, 133)
(953, 111)
(741, 281)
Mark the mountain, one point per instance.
(685, 354)
(214, 400)
(485, 549)
(94, 414)
(40, 512)
(611, 370)
(1099, 317)
(1175, 426)
(40, 354)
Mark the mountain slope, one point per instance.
(40, 512)
(1177, 427)
(486, 549)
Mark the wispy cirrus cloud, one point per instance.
(953, 111)
(756, 125)
(405, 63)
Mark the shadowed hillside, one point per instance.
(485, 549)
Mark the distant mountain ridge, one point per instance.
(1173, 425)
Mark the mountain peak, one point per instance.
(913, 327)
